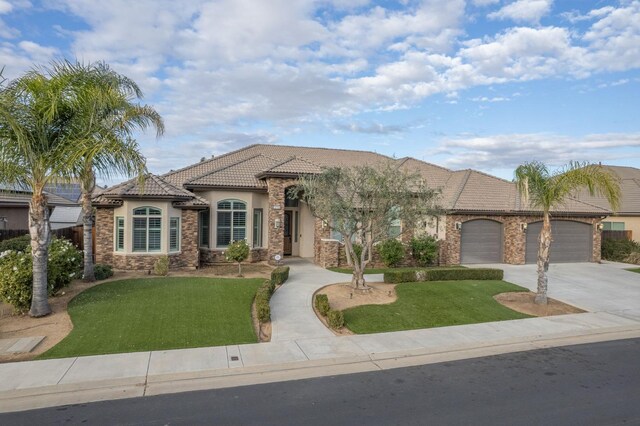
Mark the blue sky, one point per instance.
(485, 84)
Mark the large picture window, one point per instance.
(147, 229)
(232, 222)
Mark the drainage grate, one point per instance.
(235, 358)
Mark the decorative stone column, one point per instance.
(275, 215)
(104, 235)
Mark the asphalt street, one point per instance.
(594, 384)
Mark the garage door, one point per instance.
(571, 241)
(481, 242)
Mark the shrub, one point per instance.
(335, 319)
(391, 252)
(280, 275)
(424, 250)
(443, 274)
(16, 272)
(618, 250)
(16, 244)
(263, 295)
(161, 266)
(322, 304)
(633, 258)
(65, 264)
(16, 279)
(102, 272)
(238, 251)
(405, 276)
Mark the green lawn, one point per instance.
(637, 270)
(383, 270)
(159, 313)
(434, 304)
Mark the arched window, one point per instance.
(147, 229)
(232, 222)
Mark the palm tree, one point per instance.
(105, 117)
(33, 148)
(546, 191)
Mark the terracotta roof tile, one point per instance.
(238, 175)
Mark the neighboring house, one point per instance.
(14, 207)
(193, 213)
(65, 217)
(627, 218)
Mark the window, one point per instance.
(288, 201)
(174, 234)
(119, 233)
(395, 225)
(257, 227)
(232, 222)
(613, 226)
(147, 229)
(204, 228)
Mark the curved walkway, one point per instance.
(292, 315)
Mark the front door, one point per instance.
(287, 233)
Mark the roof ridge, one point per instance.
(326, 149)
(491, 176)
(209, 160)
(588, 204)
(219, 169)
(431, 164)
(461, 187)
(295, 157)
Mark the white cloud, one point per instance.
(482, 3)
(507, 151)
(530, 11)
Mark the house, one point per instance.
(14, 206)
(627, 218)
(193, 213)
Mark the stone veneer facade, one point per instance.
(212, 257)
(188, 257)
(514, 238)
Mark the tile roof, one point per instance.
(630, 188)
(153, 187)
(462, 190)
(23, 198)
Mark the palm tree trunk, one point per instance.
(88, 185)
(544, 240)
(87, 238)
(40, 232)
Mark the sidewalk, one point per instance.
(301, 347)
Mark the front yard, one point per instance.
(159, 313)
(434, 304)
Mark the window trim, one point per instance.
(258, 229)
(119, 225)
(177, 230)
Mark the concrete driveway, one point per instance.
(595, 287)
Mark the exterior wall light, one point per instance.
(600, 226)
(458, 226)
(523, 227)
(276, 223)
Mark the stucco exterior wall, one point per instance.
(631, 223)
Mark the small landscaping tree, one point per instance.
(545, 190)
(238, 251)
(364, 203)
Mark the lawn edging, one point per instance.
(445, 274)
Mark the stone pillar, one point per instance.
(189, 256)
(597, 241)
(452, 247)
(515, 240)
(321, 231)
(104, 235)
(275, 215)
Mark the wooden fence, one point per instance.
(616, 235)
(73, 234)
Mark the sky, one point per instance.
(484, 84)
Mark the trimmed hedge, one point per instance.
(280, 275)
(102, 272)
(322, 304)
(335, 319)
(444, 274)
(16, 243)
(618, 250)
(263, 295)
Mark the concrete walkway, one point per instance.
(293, 354)
(292, 315)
